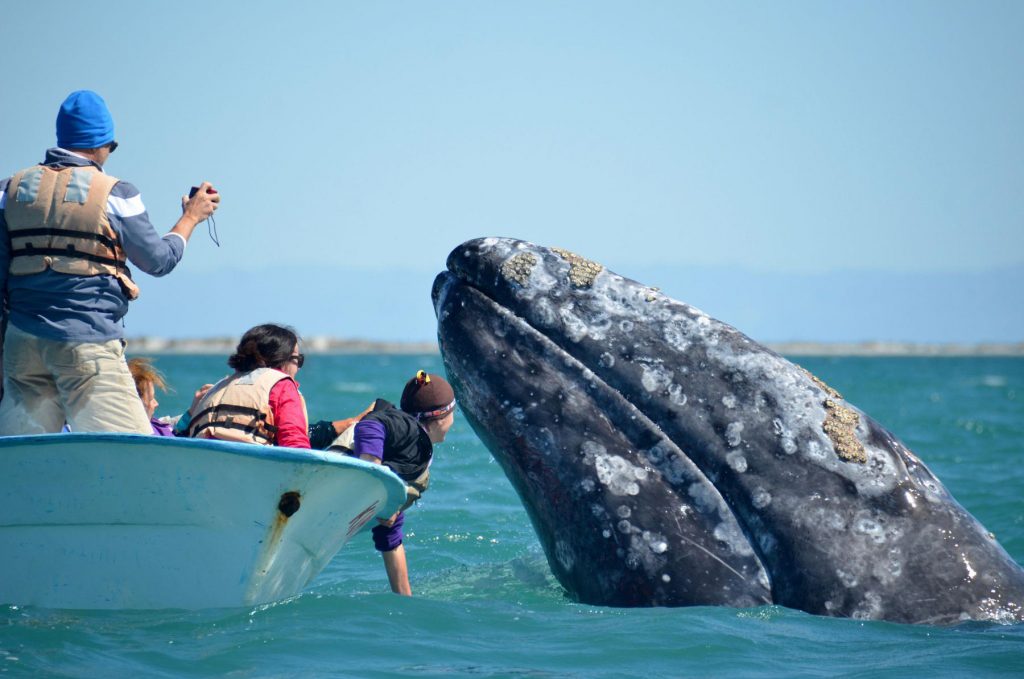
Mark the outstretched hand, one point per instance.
(340, 426)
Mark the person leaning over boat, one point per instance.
(260, 402)
(67, 231)
(403, 440)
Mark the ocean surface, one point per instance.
(485, 602)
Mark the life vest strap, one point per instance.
(66, 233)
(63, 252)
(259, 417)
(253, 429)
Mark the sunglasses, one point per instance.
(112, 146)
(298, 358)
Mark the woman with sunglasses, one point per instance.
(260, 402)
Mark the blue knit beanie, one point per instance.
(83, 121)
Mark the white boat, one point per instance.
(113, 521)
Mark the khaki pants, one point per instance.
(48, 383)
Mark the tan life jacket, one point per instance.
(57, 219)
(238, 409)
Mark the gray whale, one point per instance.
(666, 459)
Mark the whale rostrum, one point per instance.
(666, 459)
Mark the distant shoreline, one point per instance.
(332, 345)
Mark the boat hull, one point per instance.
(116, 521)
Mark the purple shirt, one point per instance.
(369, 439)
(161, 428)
(386, 538)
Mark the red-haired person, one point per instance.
(147, 380)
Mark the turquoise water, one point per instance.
(486, 604)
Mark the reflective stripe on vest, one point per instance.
(238, 409)
(57, 219)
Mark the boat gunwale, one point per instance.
(396, 494)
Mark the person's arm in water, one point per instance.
(387, 538)
(398, 570)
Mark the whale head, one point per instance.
(665, 458)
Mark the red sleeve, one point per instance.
(289, 415)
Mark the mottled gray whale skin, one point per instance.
(665, 458)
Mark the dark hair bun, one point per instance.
(265, 346)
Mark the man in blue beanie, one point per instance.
(67, 233)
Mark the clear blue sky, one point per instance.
(368, 139)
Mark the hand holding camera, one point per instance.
(201, 203)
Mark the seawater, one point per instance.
(485, 602)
